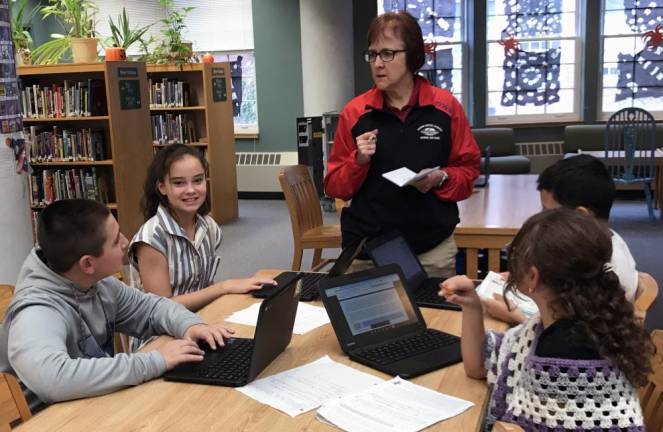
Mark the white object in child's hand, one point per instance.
(404, 176)
(494, 284)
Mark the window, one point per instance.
(223, 28)
(442, 23)
(632, 62)
(533, 58)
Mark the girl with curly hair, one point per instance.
(577, 364)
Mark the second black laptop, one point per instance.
(310, 280)
(377, 324)
(241, 360)
(392, 248)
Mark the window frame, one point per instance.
(603, 116)
(578, 89)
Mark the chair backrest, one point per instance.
(630, 145)
(651, 395)
(13, 405)
(6, 294)
(500, 140)
(645, 295)
(302, 199)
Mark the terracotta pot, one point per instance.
(84, 50)
(116, 54)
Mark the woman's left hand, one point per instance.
(429, 182)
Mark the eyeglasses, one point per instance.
(386, 55)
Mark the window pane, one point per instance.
(615, 47)
(614, 4)
(495, 79)
(610, 101)
(495, 25)
(495, 107)
(565, 104)
(614, 23)
(567, 76)
(610, 74)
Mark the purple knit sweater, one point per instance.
(553, 394)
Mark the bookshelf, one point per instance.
(98, 152)
(207, 115)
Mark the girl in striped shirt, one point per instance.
(175, 249)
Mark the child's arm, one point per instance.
(460, 290)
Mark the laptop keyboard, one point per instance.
(310, 285)
(230, 363)
(408, 347)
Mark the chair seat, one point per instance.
(324, 236)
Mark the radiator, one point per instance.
(259, 171)
(541, 154)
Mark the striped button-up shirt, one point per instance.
(192, 265)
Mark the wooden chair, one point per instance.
(645, 295)
(651, 396)
(506, 427)
(308, 231)
(13, 406)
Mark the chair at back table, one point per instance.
(308, 231)
(13, 406)
(645, 295)
(651, 396)
(630, 146)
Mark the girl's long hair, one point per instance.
(572, 252)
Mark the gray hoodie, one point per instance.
(39, 340)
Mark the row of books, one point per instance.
(173, 128)
(49, 185)
(168, 93)
(58, 145)
(71, 99)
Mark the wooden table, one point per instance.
(658, 182)
(491, 217)
(167, 406)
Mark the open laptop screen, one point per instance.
(374, 304)
(395, 250)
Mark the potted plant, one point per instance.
(77, 19)
(122, 36)
(172, 48)
(20, 24)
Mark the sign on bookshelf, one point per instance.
(129, 94)
(219, 89)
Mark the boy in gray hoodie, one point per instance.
(57, 336)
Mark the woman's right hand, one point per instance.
(460, 290)
(366, 144)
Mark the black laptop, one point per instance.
(310, 279)
(241, 360)
(392, 248)
(378, 324)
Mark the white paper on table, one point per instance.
(308, 317)
(304, 388)
(393, 406)
(404, 176)
(494, 284)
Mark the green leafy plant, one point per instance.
(20, 24)
(172, 48)
(122, 35)
(77, 20)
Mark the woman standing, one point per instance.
(403, 121)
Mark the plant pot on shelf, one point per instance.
(116, 54)
(22, 57)
(84, 50)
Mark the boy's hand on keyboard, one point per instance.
(180, 351)
(460, 290)
(243, 286)
(212, 334)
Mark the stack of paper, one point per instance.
(393, 406)
(494, 284)
(308, 317)
(302, 389)
(404, 176)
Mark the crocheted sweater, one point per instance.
(541, 393)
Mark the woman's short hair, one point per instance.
(406, 27)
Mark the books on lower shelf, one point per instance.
(173, 128)
(168, 93)
(65, 145)
(48, 185)
(71, 99)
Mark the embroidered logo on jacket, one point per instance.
(429, 131)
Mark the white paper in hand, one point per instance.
(494, 284)
(404, 176)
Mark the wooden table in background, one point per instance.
(159, 405)
(491, 217)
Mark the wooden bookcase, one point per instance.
(210, 109)
(125, 130)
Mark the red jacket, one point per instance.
(399, 144)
